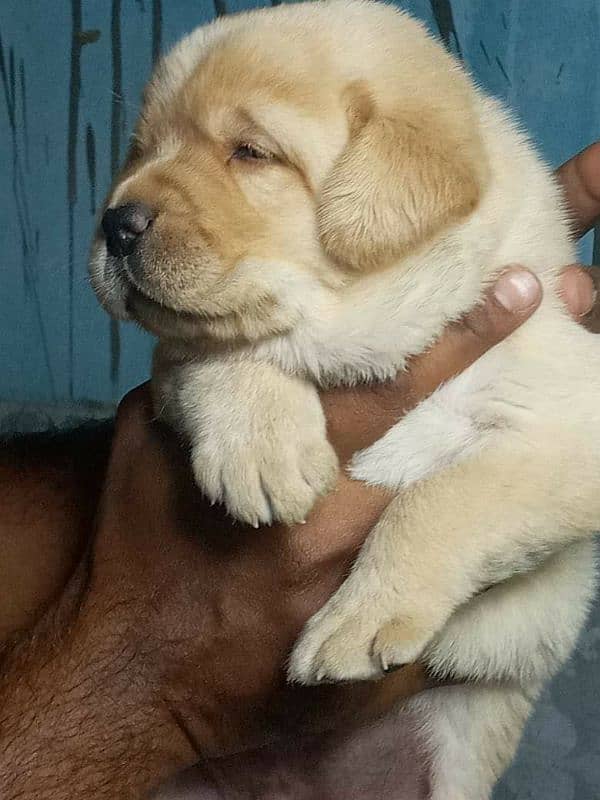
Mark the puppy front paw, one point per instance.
(258, 436)
(276, 477)
(358, 636)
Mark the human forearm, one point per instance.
(77, 715)
(49, 485)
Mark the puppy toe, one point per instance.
(398, 643)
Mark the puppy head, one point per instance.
(279, 156)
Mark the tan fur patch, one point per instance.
(408, 172)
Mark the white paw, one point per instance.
(276, 476)
(358, 637)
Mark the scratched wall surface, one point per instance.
(71, 74)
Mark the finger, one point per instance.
(591, 319)
(322, 708)
(135, 409)
(358, 417)
(507, 304)
(580, 179)
(577, 290)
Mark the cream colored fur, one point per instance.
(394, 193)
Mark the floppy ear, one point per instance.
(400, 181)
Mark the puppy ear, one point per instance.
(401, 180)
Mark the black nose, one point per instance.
(123, 227)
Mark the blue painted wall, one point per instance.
(72, 73)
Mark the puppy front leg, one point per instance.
(437, 545)
(257, 435)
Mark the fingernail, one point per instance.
(517, 290)
(592, 304)
(389, 668)
(581, 295)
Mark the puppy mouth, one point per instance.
(140, 303)
(218, 311)
(160, 319)
(169, 322)
(137, 299)
(142, 298)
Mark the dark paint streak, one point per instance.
(88, 37)
(20, 180)
(47, 149)
(79, 38)
(116, 126)
(596, 246)
(157, 20)
(90, 151)
(560, 71)
(117, 87)
(19, 190)
(504, 21)
(444, 19)
(220, 8)
(503, 71)
(8, 97)
(18, 183)
(23, 88)
(11, 77)
(72, 136)
(485, 52)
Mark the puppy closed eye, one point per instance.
(250, 152)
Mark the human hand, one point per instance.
(580, 179)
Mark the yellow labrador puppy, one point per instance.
(313, 192)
